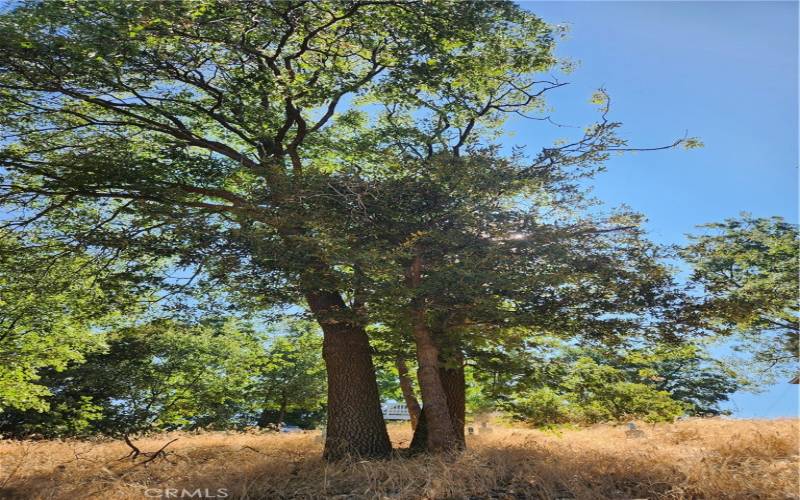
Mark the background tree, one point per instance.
(748, 273)
(158, 375)
(568, 383)
(290, 381)
(396, 369)
(52, 308)
(687, 371)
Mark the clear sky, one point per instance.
(726, 72)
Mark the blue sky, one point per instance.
(726, 72)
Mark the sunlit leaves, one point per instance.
(748, 270)
(49, 314)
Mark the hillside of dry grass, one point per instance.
(714, 459)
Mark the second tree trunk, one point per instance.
(441, 436)
(407, 387)
(455, 392)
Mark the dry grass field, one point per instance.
(714, 459)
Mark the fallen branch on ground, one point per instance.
(151, 455)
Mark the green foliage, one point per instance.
(552, 382)
(602, 394)
(687, 372)
(226, 133)
(245, 139)
(692, 143)
(478, 400)
(168, 375)
(388, 379)
(542, 407)
(289, 382)
(590, 393)
(51, 309)
(748, 269)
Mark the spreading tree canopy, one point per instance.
(230, 136)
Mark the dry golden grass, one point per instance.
(714, 459)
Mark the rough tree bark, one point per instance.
(407, 387)
(441, 436)
(455, 391)
(454, 386)
(355, 422)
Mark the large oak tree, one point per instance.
(216, 133)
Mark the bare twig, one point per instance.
(159, 453)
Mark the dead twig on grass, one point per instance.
(159, 453)
(151, 455)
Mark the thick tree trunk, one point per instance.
(441, 436)
(355, 422)
(407, 387)
(455, 390)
